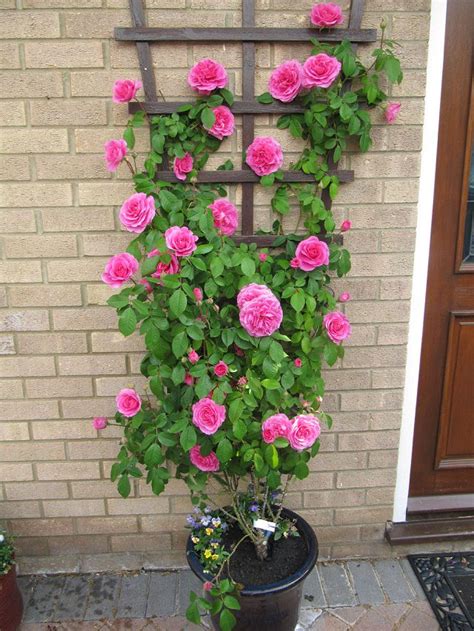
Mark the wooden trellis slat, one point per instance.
(248, 35)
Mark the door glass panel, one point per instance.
(468, 252)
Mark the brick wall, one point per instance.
(62, 359)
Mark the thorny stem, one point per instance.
(283, 495)
(226, 562)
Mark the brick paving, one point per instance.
(360, 595)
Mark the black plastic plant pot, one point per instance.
(274, 606)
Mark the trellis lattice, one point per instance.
(248, 35)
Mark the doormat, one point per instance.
(448, 582)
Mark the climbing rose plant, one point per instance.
(237, 336)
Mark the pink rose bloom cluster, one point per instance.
(301, 431)
(310, 254)
(337, 326)
(225, 216)
(320, 71)
(115, 152)
(207, 75)
(183, 166)
(119, 269)
(224, 123)
(204, 463)
(128, 402)
(286, 81)
(208, 416)
(326, 14)
(181, 240)
(264, 155)
(137, 212)
(260, 310)
(221, 369)
(100, 422)
(392, 112)
(125, 90)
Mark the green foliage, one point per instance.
(7, 552)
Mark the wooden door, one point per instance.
(443, 452)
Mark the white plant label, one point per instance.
(263, 524)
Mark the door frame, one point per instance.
(421, 256)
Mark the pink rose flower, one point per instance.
(193, 356)
(264, 155)
(225, 216)
(125, 90)
(146, 284)
(276, 426)
(204, 463)
(251, 291)
(344, 297)
(262, 316)
(392, 111)
(100, 422)
(115, 152)
(298, 363)
(208, 416)
(262, 257)
(304, 432)
(224, 123)
(312, 253)
(242, 381)
(320, 71)
(128, 402)
(172, 267)
(183, 166)
(137, 212)
(221, 369)
(119, 269)
(286, 81)
(181, 240)
(326, 15)
(207, 586)
(346, 225)
(188, 379)
(337, 326)
(294, 263)
(207, 75)
(198, 294)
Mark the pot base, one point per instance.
(11, 602)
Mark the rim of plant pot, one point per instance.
(285, 583)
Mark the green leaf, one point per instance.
(301, 470)
(127, 321)
(392, 69)
(158, 142)
(248, 267)
(208, 118)
(231, 603)
(235, 410)
(271, 384)
(179, 344)
(267, 180)
(123, 485)
(188, 438)
(224, 450)
(166, 439)
(178, 302)
(192, 613)
(228, 96)
(265, 98)
(330, 353)
(276, 351)
(153, 455)
(297, 301)
(129, 137)
(227, 620)
(271, 456)
(240, 429)
(217, 267)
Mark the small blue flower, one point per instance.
(253, 507)
(208, 509)
(205, 521)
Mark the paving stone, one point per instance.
(133, 596)
(307, 618)
(393, 612)
(326, 622)
(313, 595)
(374, 621)
(187, 582)
(103, 594)
(336, 585)
(26, 585)
(411, 576)
(365, 583)
(349, 614)
(73, 601)
(162, 593)
(394, 582)
(44, 599)
(417, 619)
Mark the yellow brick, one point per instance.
(37, 320)
(383, 459)
(392, 334)
(14, 431)
(34, 141)
(140, 543)
(58, 387)
(68, 112)
(106, 525)
(27, 366)
(11, 388)
(66, 54)
(26, 410)
(84, 319)
(57, 430)
(364, 479)
(75, 270)
(372, 400)
(92, 140)
(96, 449)
(73, 508)
(68, 470)
(13, 452)
(63, 4)
(93, 488)
(88, 408)
(20, 272)
(14, 113)
(26, 24)
(364, 441)
(12, 510)
(46, 343)
(385, 264)
(374, 357)
(45, 295)
(30, 84)
(34, 195)
(95, 24)
(17, 471)
(15, 168)
(71, 167)
(48, 246)
(107, 244)
(25, 527)
(386, 311)
(36, 490)
(17, 221)
(109, 386)
(99, 294)
(76, 219)
(116, 342)
(137, 506)
(111, 364)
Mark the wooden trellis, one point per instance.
(248, 35)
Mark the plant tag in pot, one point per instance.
(263, 524)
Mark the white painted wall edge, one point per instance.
(422, 245)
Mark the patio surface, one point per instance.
(380, 595)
